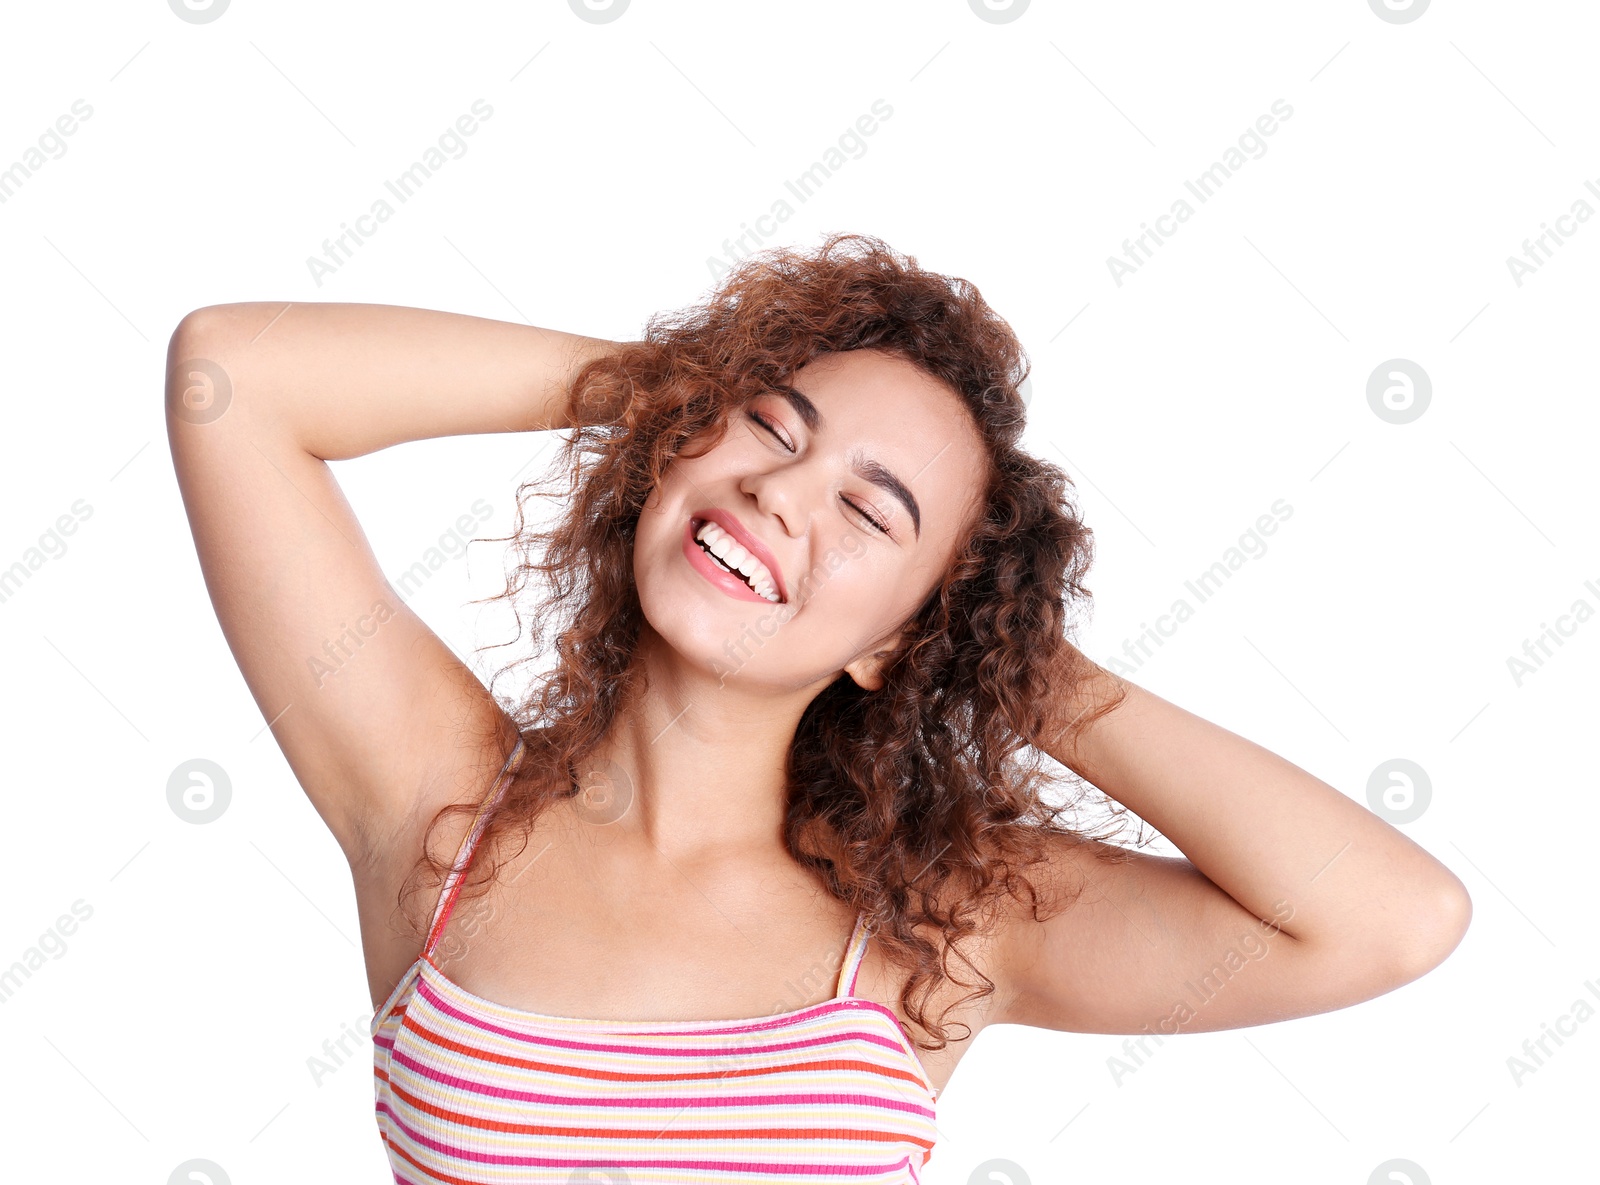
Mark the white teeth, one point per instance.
(721, 544)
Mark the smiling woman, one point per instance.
(808, 602)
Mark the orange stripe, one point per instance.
(505, 1059)
(432, 1173)
(709, 1133)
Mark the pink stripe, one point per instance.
(478, 1086)
(834, 1170)
(443, 1005)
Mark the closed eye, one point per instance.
(770, 430)
(873, 521)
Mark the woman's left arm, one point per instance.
(1293, 899)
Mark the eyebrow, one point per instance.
(864, 467)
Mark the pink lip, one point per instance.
(726, 580)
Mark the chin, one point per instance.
(720, 637)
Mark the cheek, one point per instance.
(855, 579)
(685, 477)
(676, 491)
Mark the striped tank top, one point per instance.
(470, 1092)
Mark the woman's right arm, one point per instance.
(378, 719)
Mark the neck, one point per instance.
(702, 765)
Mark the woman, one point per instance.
(813, 603)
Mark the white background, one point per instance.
(1228, 372)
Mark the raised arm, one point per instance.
(1290, 899)
(378, 719)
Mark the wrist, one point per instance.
(1081, 693)
(603, 397)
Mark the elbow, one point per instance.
(1439, 927)
(208, 323)
(183, 345)
(1455, 913)
(195, 327)
(1452, 911)
(196, 389)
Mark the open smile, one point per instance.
(716, 552)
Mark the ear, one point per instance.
(867, 671)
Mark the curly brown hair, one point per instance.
(910, 801)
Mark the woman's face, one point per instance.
(853, 493)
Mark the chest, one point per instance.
(568, 929)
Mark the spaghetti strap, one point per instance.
(469, 845)
(853, 953)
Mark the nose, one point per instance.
(777, 493)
